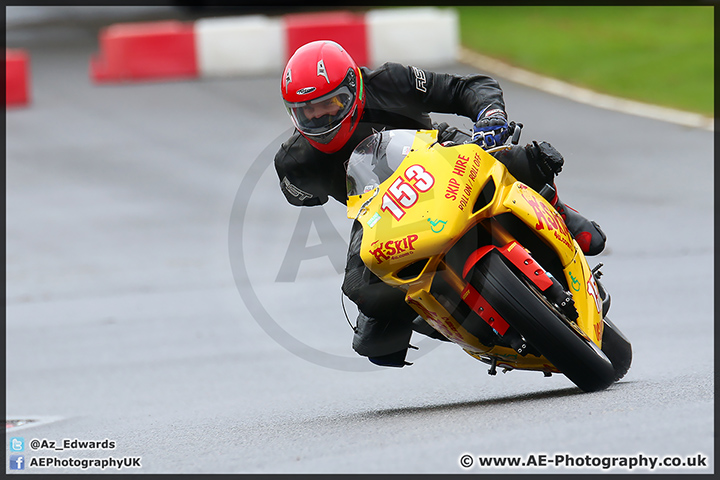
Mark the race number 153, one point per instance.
(403, 193)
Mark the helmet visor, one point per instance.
(320, 117)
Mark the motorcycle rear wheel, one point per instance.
(526, 310)
(617, 348)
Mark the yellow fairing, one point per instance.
(540, 216)
(587, 298)
(414, 217)
(537, 213)
(438, 217)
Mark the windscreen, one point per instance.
(376, 158)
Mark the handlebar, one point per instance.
(516, 133)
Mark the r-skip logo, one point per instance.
(17, 462)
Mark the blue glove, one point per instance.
(491, 128)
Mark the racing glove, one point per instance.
(491, 128)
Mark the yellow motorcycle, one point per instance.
(484, 259)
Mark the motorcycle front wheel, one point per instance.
(542, 325)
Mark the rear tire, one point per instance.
(526, 310)
(617, 348)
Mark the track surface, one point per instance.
(127, 229)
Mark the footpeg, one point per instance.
(604, 295)
(493, 367)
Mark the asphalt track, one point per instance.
(153, 297)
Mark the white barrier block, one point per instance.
(424, 37)
(244, 45)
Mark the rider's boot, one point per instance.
(587, 233)
(385, 341)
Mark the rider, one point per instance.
(335, 104)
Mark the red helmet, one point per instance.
(323, 93)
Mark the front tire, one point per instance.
(550, 333)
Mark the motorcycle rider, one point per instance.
(335, 104)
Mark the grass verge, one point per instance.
(656, 54)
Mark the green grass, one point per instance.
(660, 55)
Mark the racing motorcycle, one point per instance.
(485, 260)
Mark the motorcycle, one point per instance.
(485, 260)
